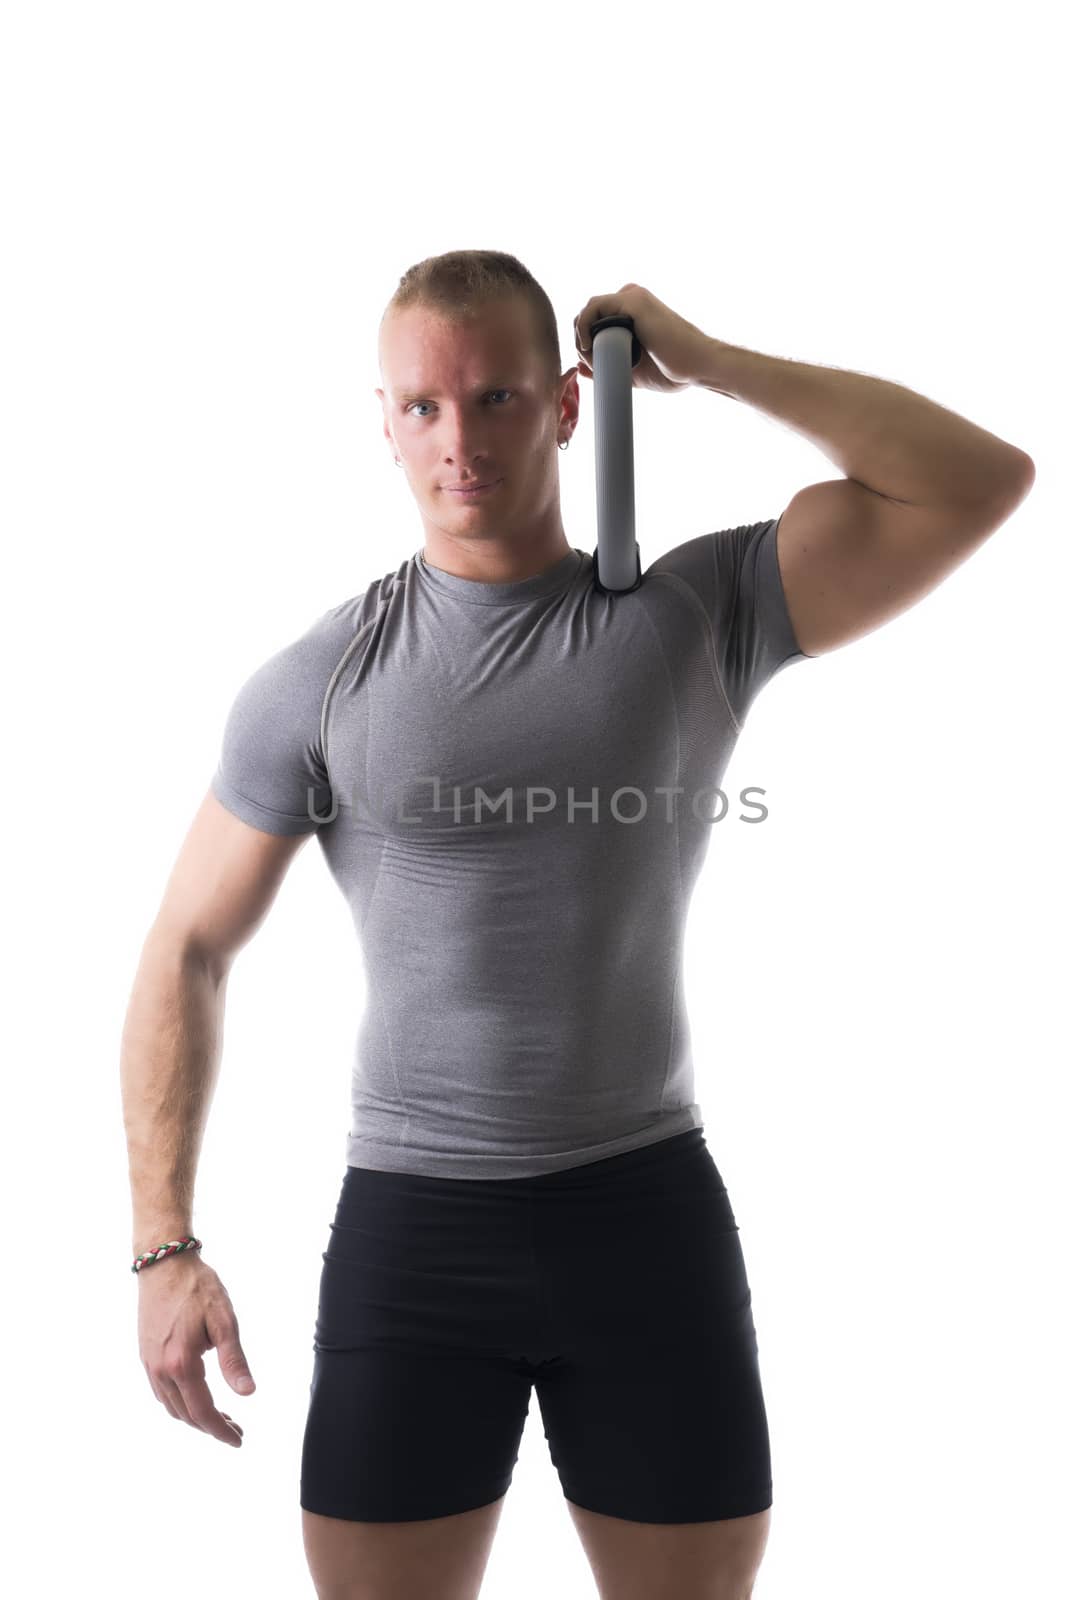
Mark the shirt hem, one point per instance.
(361, 1152)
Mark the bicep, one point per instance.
(224, 881)
(852, 559)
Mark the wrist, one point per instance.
(148, 1240)
(712, 368)
(170, 1264)
(150, 1235)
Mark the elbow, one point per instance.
(1024, 475)
(186, 949)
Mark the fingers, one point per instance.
(188, 1316)
(171, 1396)
(186, 1396)
(201, 1408)
(160, 1386)
(623, 302)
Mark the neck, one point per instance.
(496, 557)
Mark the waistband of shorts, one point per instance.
(609, 1172)
(620, 1168)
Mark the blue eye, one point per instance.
(415, 403)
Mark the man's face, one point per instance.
(470, 400)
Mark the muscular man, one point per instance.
(512, 777)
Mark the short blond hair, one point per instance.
(460, 282)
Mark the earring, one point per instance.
(565, 444)
(398, 461)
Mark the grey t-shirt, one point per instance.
(514, 786)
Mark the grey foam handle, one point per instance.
(615, 352)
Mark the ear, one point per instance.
(385, 426)
(570, 396)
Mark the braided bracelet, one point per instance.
(160, 1253)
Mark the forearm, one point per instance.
(881, 434)
(171, 1046)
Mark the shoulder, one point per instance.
(735, 576)
(712, 563)
(272, 768)
(309, 658)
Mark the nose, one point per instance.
(465, 452)
(465, 449)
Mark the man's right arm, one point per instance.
(222, 885)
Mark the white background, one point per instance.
(206, 209)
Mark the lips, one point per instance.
(472, 491)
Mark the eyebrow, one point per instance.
(427, 394)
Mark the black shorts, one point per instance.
(617, 1289)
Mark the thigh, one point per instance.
(654, 1409)
(406, 1435)
(445, 1556)
(415, 1410)
(686, 1561)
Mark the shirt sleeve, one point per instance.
(736, 577)
(272, 772)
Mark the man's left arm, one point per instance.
(924, 488)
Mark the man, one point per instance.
(509, 773)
